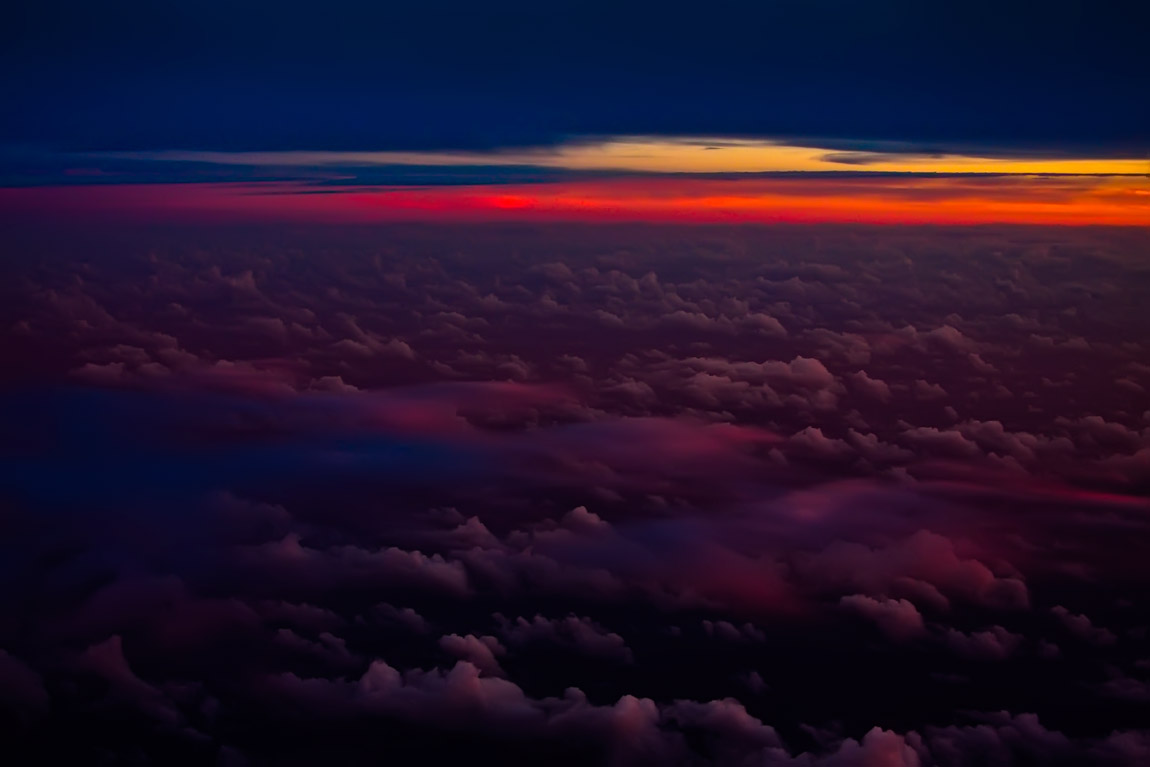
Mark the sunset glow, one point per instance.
(1070, 200)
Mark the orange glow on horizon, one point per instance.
(1071, 200)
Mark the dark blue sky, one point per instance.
(1055, 77)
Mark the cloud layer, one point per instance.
(620, 495)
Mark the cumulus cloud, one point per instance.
(480, 651)
(897, 618)
(924, 556)
(995, 643)
(581, 635)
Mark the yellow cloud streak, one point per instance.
(702, 155)
(751, 157)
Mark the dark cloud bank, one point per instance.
(575, 496)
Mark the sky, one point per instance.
(574, 383)
(777, 111)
